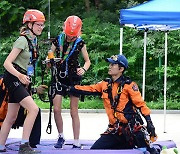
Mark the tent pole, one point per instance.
(144, 64)
(49, 28)
(165, 81)
(121, 40)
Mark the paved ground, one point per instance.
(92, 124)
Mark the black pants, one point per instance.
(110, 141)
(36, 131)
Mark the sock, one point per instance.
(61, 135)
(24, 141)
(2, 147)
(76, 142)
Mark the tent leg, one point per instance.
(49, 29)
(144, 64)
(121, 40)
(165, 81)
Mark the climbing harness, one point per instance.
(135, 132)
(61, 38)
(31, 69)
(55, 85)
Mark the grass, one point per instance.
(89, 103)
(96, 103)
(170, 105)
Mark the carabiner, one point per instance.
(57, 87)
(61, 74)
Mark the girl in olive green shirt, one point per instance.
(16, 80)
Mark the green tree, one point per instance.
(101, 34)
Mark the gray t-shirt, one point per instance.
(23, 58)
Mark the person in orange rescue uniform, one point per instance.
(122, 100)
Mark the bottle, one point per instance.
(169, 151)
(50, 54)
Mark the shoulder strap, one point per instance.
(34, 57)
(60, 39)
(60, 43)
(31, 48)
(71, 52)
(74, 47)
(34, 54)
(109, 91)
(114, 103)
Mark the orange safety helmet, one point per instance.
(72, 26)
(33, 15)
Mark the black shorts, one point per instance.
(70, 80)
(16, 90)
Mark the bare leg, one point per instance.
(29, 104)
(57, 113)
(75, 117)
(11, 116)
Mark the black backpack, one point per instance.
(3, 100)
(4, 106)
(2, 90)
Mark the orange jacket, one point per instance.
(129, 91)
(3, 104)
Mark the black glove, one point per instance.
(116, 125)
(150, 126)
(113, 129)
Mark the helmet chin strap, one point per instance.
(31, 29)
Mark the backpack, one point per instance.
(3, 100)
(4, 106)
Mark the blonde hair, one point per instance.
(23, 29)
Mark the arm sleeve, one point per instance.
(90, 89)
(21, 43)
(135, 95)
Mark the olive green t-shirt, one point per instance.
(23, 58)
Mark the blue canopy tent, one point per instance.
(159, 15)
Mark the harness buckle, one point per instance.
(119, 90)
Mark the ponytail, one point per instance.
(23, 30)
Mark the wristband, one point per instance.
(84, 69)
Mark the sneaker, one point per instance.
(77, 147)
(26, 149)
(33, 146)
(3, 150)
(59, 143)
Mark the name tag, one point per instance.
(30, 70)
